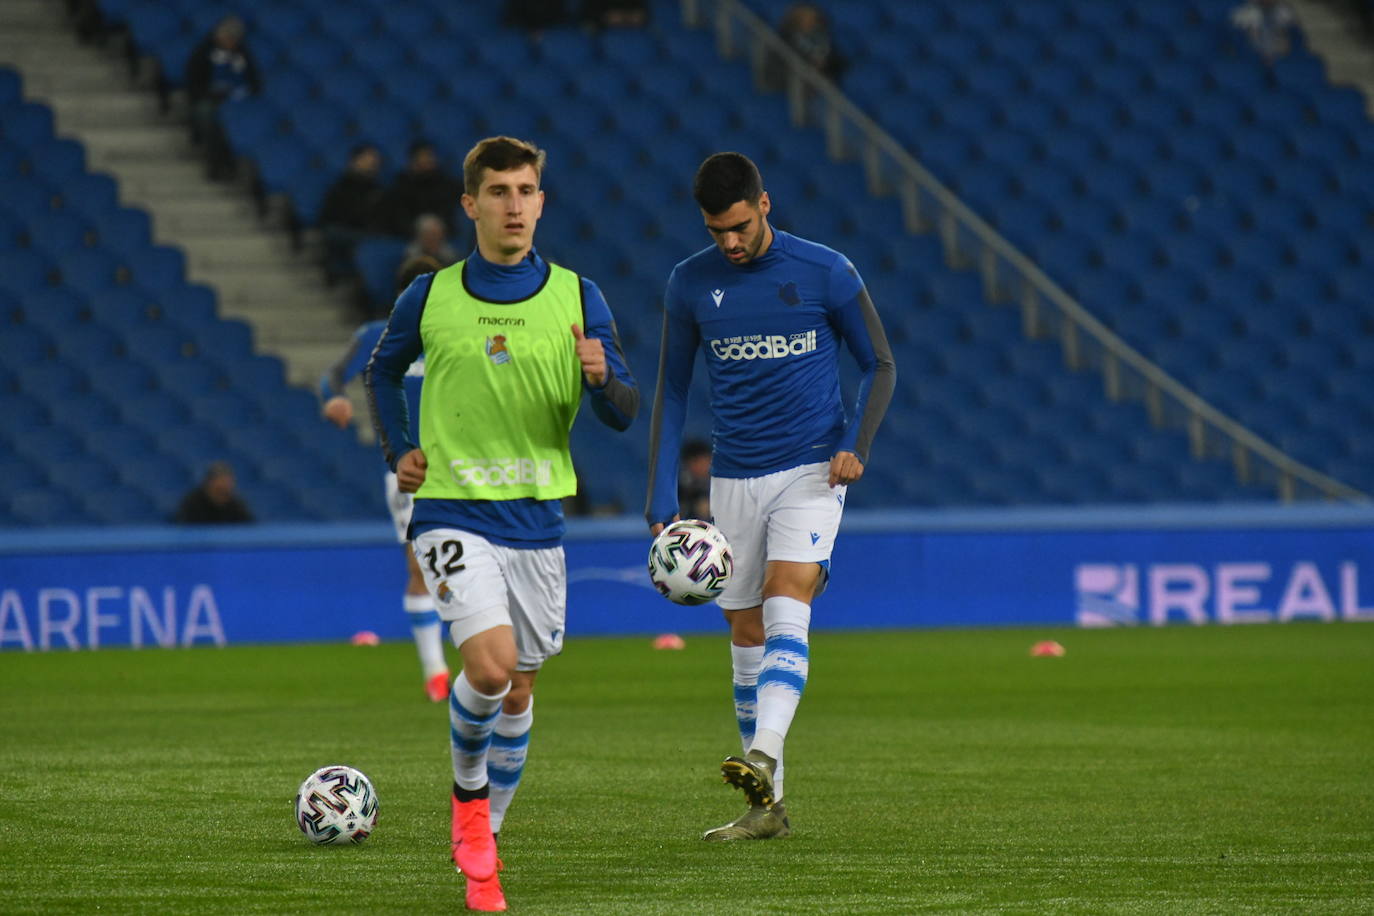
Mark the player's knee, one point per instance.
(487, 678)
(518, 700)
(745, 629)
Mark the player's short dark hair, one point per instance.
(500, 154)
(725, 179)
(414, 267)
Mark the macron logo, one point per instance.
(717, 295)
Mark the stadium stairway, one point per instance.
(257, 276)
(1334, 35)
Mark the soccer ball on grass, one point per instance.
(336, 804)
(690, 562)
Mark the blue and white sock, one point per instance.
(428, 631)
(471, 716)
(786, 661)
(745, 663)
(510, 745)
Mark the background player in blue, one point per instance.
(769, 311)
(425, 625)
(505, 351)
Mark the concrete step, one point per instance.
(295, 338)
(48, 78)
(106, 108)
(240, 289)
(141, 143)
(210, 206)
(237, 251)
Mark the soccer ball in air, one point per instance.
(335, 805)
(690, 562)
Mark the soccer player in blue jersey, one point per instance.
(512, 345)
(425, 625)
(769, 311)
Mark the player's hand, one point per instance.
(592, 356)
(657, 527)
(339, 411)
(410, 470)
(845, 468)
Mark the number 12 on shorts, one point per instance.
(443, 558)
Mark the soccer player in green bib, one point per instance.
(511, 344)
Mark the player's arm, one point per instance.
(384, 375)
(861, 328)
(605, 371)
(338, 409)
(677, 353)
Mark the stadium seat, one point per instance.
(48, 506)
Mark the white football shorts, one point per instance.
(790, 515)
(478, 585)
(400, 505)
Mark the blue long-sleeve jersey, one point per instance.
(770, 331)
(354, 361)
(527, 523)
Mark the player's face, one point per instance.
(742, 232)
(507, 207)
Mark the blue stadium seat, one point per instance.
(46, 507)
(86, 344)
(90, 271)
(19, 413)
(11, 86)
(121, 230)
(55, 310)
(251, 121)
(60, 231)
(23, 271)
(158, 269)
(121, 507)
(90, 194)
(377, 259)
(28, 124)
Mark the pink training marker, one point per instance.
(1047, 648)
(669, 641)
(366, 638)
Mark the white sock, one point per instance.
(745, 663)
(510, 745)
(786, 661)
(471, 717)
(428, 631)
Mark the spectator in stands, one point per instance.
(221, 68)
(424, 187)
(805, 28)
(694, 480)
(349, 211)
(1268, 24)
(429, 241)
(534, 15)
(615, 14)
(215, 500)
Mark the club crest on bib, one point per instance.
(496, 349)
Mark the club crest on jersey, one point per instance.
(496, 349)
(443, 592)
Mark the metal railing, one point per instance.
(1007, 274)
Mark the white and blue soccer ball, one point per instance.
(336, 805)
(690, 562)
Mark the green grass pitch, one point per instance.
(1211, 770)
